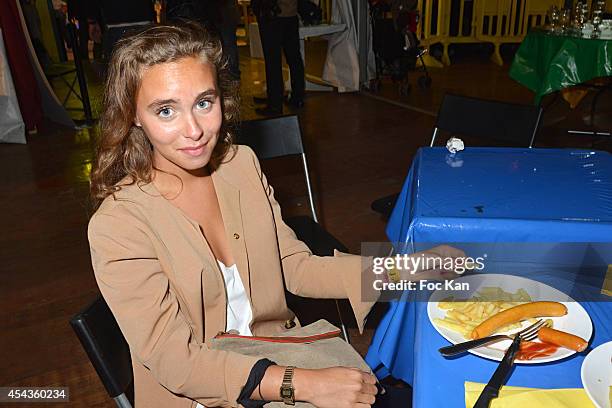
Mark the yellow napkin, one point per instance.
(607, 284)
(512, 397)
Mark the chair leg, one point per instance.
(68, 93)
(433, 137)
(342, 326)
(75, 92)
(71, 89)
(122, 401)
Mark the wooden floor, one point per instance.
(360, 148)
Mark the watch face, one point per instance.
(286, 392)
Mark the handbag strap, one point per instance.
(282, 339)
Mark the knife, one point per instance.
(491, 390)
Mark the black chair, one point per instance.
(107, 350)
(280, 137)
(509, 123)
(487, 120)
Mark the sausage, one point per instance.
(516, 314)
(563, 339)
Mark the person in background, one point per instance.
(279, 31)
(78, 10)
(188, 10)
(111, 19)
(218, 16)
(226, 24)
(60, 16)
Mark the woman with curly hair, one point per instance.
(187, 239)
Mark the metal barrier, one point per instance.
(479, 21)
(326, 7)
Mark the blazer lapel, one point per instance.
(205, 289)
(229, 202)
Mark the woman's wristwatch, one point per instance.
(287, 392)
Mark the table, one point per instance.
(497, 194)
(312, 83)
(546, 63)
(490, 195)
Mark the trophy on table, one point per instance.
(598, 10)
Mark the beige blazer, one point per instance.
(164, 286)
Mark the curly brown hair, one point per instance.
(123, 148)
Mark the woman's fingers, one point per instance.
(368, 399)
(367, 392)
(369, 389)
(344, 387)
(368, 378)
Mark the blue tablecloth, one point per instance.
(490, 195)
(502, 194)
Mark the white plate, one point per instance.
(596, 374)
(576, 321)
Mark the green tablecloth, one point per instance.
(546, 63)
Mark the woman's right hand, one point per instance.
(336, 387)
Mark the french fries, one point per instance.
(463, 316)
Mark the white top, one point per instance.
(239, 312)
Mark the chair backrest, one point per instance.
(106, 348)
(277, 137)
(506, 122)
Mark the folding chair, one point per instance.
(65, 72)
(280, 137)
(107, 350)
(506, 123)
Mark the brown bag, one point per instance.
(317, 345)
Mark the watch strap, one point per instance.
(287, 391)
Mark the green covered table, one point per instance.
(546, 63)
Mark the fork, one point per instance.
(527, 334)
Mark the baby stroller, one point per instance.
(396, 46)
